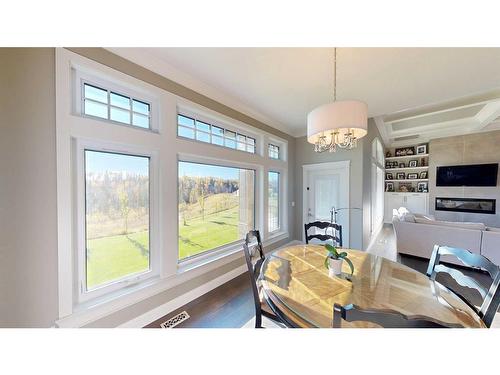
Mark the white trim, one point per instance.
(71, 127)
(162, 310)
(345, 166)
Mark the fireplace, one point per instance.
(472, 205)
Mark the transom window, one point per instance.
(109, 105)
(273, 151)
(191, 128)
(216, 206)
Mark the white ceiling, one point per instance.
(281, 85)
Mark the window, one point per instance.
(117, 216)
(273, 151)
(109, 105)
(201, 131)
(216, 206)
(273, 202)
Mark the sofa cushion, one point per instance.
(410, 218)
(463, 225)
(492, 229)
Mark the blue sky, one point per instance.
(203, 170)
(99, 162)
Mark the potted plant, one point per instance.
(334, 259)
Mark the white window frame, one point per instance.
(283, 148)
(72, 127)
(80, 146)
(195, 115)
(229, 248)
(269, 145)
(82, 76)
(280, 207)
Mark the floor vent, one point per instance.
(175, 320)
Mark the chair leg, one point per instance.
(258, 320)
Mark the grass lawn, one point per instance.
(200, 235)
(127, 255)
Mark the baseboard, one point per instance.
(162, 310)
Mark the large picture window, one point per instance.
(273, 217)
(117, 217)
(216, 206)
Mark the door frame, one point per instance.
(344, 167)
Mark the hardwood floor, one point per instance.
(228, 306)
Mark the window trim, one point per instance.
(70, 125)
(280, 221)
(210, 134)
(82, 76)
(80, 146)
(228, 248)
(272, 145)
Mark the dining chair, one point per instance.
(335, 236)
(490, 295)
(384, 318)
(254, 256)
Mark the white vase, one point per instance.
(334, 267)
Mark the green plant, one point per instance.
(334, 254)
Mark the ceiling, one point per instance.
(281, 85)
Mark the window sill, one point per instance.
(98, 308)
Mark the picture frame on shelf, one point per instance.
(404, 151)
(412, 176)
(423, 175)
(389, 186)
(402, 165)
(406, 187)
(413, 163)
(388, 154)
(422, 187)
(422, 150)
(388, 176)
(400, 176)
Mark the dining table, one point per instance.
(297, 285)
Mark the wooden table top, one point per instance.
(296, 281)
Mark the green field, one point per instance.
(112, 257)
(199, 235)
(127, 254)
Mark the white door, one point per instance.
(326, 187)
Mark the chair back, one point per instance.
(254, 257)
(332, 232)
(384, 318)
(490, 295)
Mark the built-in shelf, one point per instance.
(407, 157)
(409, 180)
(405, 192)
(401, 169)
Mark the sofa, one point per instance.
(417, 234)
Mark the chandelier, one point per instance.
(339, 124)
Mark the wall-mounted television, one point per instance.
(467, 175)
